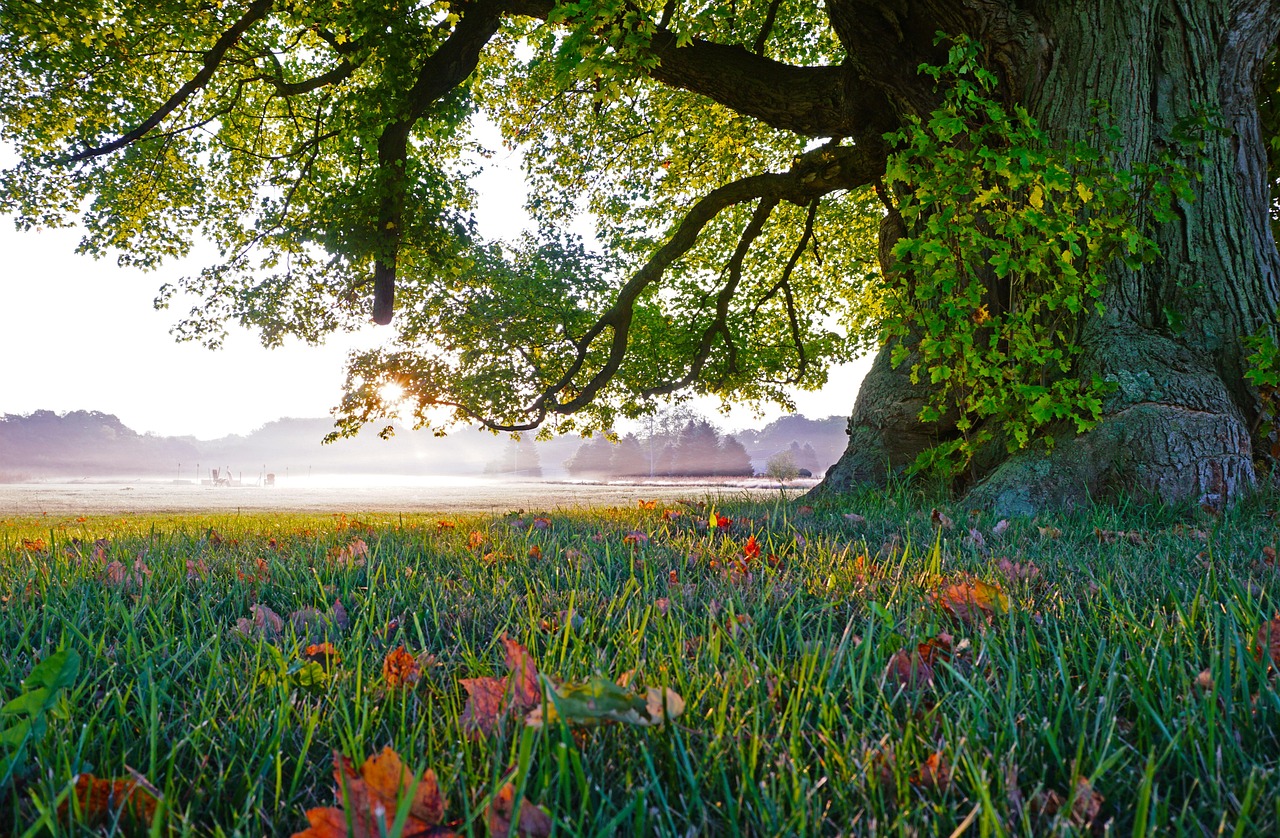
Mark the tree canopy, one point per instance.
(326, 150)
(1058, 211)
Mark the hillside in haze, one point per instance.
(88, 444)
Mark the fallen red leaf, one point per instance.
(489, 698)
(486, 702)
(98, 801)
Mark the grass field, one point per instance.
(867, 668)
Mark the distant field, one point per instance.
(354, 493)
(766, 668)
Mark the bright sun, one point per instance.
(392, 395)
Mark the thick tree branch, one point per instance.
(816, 101)
(256, 12)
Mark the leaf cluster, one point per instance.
(1007, 247)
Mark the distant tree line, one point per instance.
(697, 450)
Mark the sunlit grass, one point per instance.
(1097, 673)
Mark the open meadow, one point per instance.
(657, 668)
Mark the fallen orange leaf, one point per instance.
(971, 601)
(400, 668)
(934, 773)
(372, 798)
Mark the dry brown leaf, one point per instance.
(265, 623)
(913, 668)
(99, 801)
(1016, 572)
(532, 822)
(940, 519)
(1112, 536)
(372, 798)
(338, 616)
(1086, 804)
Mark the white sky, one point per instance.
(81, 334)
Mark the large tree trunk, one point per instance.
(1178, 425)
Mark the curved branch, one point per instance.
(766, 28)
(212, 58)
(812, 175)
(720, 325)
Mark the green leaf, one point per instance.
(56, 672)
(599, 698)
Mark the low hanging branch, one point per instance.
(812, 175)
(719, 326)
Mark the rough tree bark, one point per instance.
(1178, 425)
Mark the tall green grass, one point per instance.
(792, 726)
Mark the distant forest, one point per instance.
(89, 444)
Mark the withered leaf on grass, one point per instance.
(1086, 804)
(934, 773)
(305, 620)
(118, 575)
(372, 798)
(324, 654)
(99, 801)
(532, 821)
(486, 702)
(914, 668)
(265, 623)
(1015, 572)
